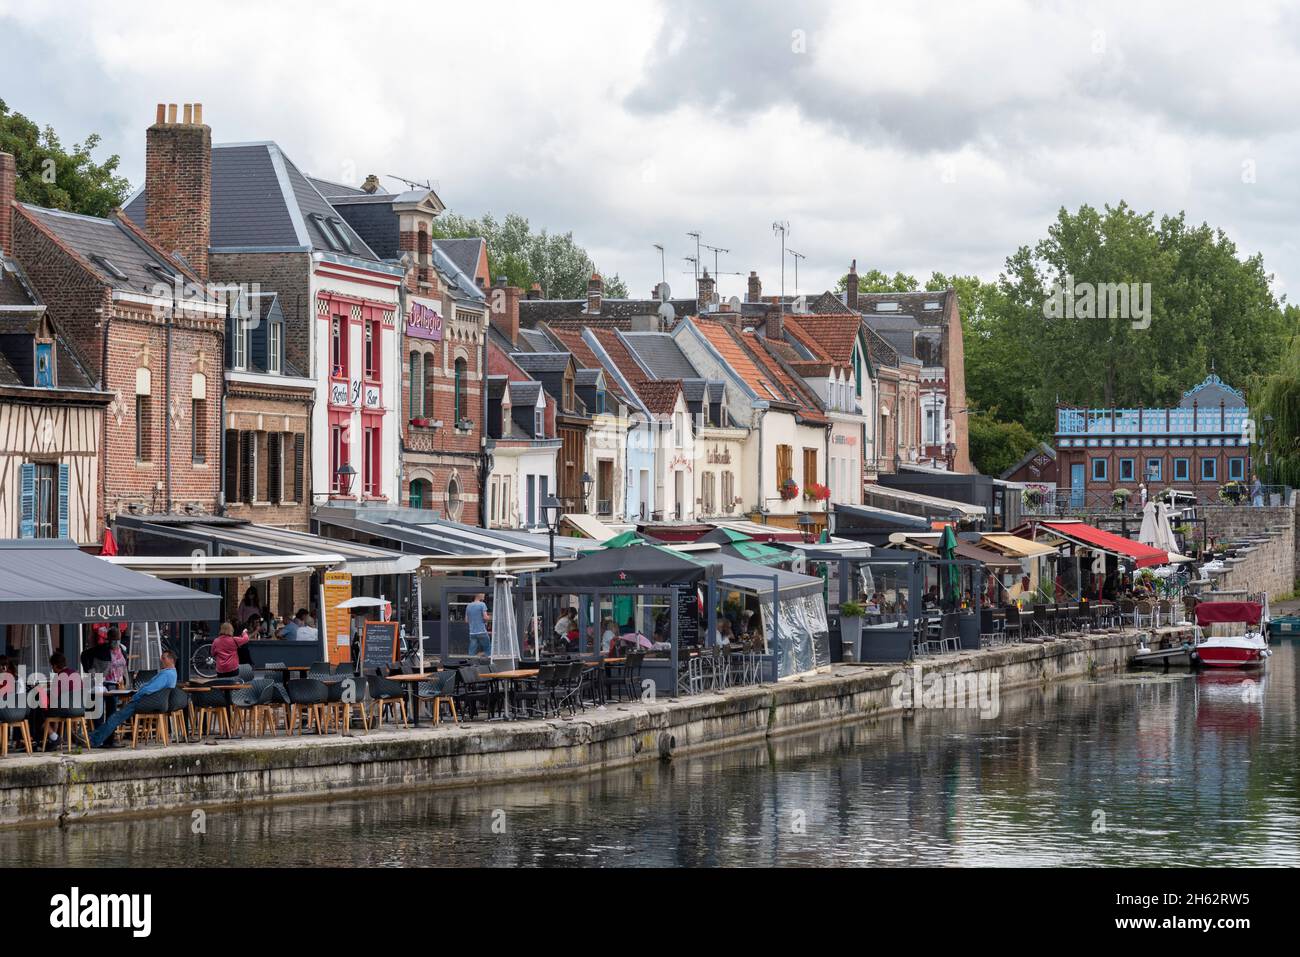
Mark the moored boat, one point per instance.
(1248, 649)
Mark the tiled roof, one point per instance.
(725, 341)
(570, 338)
(541, 362)
(879, 350)
(15, 289)
(659, 395)
(832, 336)
(534, 341)
(769, 354)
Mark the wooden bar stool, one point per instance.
(11, 718)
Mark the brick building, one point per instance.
(443, 316)
(272, 233)
(51, 413)
(1195, 446)
(150, 335)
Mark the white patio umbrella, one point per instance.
(1149, 534)
(505, 634)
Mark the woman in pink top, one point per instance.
(226, 651)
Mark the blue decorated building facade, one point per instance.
(1196, 446)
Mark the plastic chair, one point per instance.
(11, 718)
(440, 690)
(387, 695)
(151, 710)
(307, 695)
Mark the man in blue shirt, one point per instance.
(476, 614)
(102, 737)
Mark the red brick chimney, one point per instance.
(178, 184)
(504, 308)
(774, 327)
(704, 293)
(8, 186)
(595, 293)
(755, 293)
(851, 289)
(534, 292)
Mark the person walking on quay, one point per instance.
(102, 737)
(478, 616)
(1256, 492)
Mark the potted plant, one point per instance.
(420, 422)
(1119, 498)
(851, 629)
(789, 490)
(1232, 492)
(816, 492)
(1033, 496)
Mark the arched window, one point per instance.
(417, 386)
(461, 403)
(421, 494)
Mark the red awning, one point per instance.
(1143, 555)
(1215, 612)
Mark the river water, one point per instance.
(1193, 769)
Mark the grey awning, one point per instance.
(46, 581)
(748, 576)
(225, 536)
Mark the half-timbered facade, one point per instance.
(51, 416)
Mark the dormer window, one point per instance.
(274, 346)
(44, 369)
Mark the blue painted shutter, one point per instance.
(63, 501)
(27, 516)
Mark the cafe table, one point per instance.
(412, 686)
(508, 677)
(216, 684)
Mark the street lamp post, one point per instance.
(586, 491)
(346, 475)
(551, 507)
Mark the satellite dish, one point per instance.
(734, 303)
(662, 292)
(667, 313)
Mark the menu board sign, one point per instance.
(688, 618)
(378, 645)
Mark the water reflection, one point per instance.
(1137, 769)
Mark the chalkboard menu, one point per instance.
(688, 618)
(378, 645)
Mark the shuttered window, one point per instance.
(232, 466)
(247, 468)
(143, 429)
(784, 465)
(298, 444)
(809, 467)
(199, 423)
(275, 467)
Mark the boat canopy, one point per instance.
(1221, 612)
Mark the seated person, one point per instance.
(226, 651)
(102, 737)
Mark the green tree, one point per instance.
(996, 446)
(58, 178)
(873, 280)
(524, 257)
(1276, 412)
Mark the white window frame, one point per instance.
(275, 347)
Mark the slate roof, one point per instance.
(659, 352)
(534, 340)
(19, 327)
(570, 338)
(15, 289)
(260, 199)
(119, 257)
(463, 252)
(616, 313)
(879, 351)
(540, 363)
(909, 303)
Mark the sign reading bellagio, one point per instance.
(424, 321)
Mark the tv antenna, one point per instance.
(796, 256)
(695, 234)
(782, 228)
(412, 183)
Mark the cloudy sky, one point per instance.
(911, 136)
